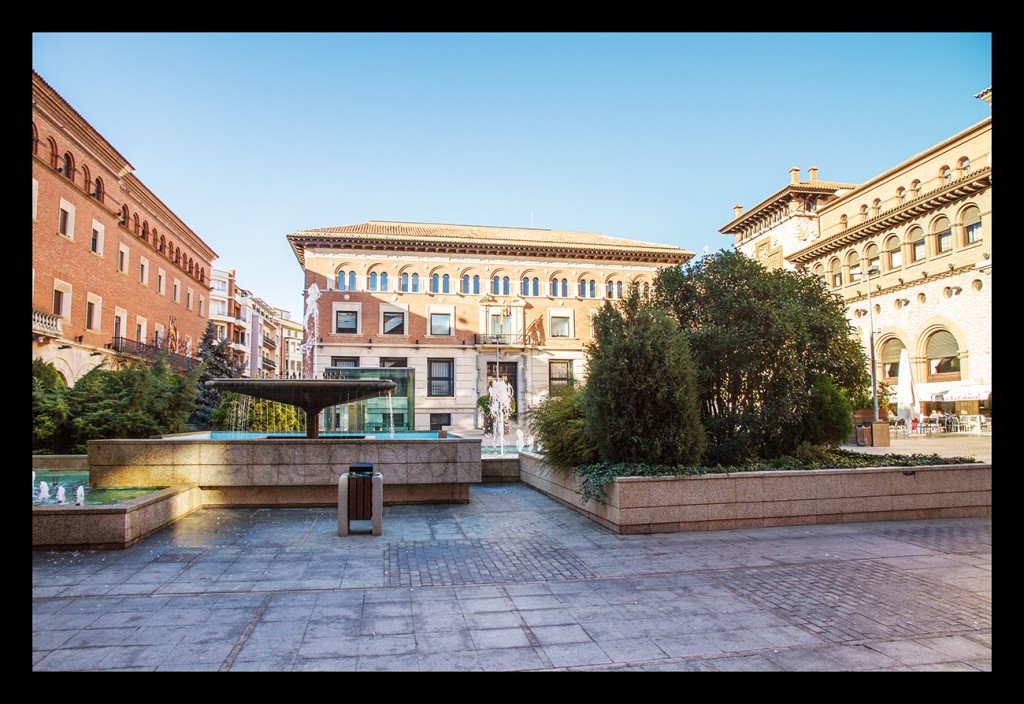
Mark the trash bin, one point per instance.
(864, 435)
(360, 492)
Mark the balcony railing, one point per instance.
(136, 348)
(270, 341)
(46, 324)
(269, 363)
(502, 338)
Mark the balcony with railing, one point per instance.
(46, 324)
(135, 348)
(503, 338)
(270, 341)
(268, 362)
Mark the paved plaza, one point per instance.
(514, 580)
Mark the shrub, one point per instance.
(558, 425)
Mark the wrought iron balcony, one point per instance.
(269, 363)
(502, 338)
(46, 324)
(270, 341)
(135, 348)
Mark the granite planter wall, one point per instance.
(758, 499)
(289, 471)
(114, 526)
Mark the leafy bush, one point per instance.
(640, 400)
(559, 426)
(830, 416)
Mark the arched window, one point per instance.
(819, 270)
(964, 166)
(593, 289)
(495, 285)
(67, 166)
(434, 283)
(972, 225)
(342, 282)
(97, 189)
(351, 281)
(853, 261)
(943, 235)
(565, 288)
(876, 206)
(918, 248)
(844, 221)
(86, 179)
(202, 274)
(864, 212)
(371, 284)
(871, 255)
(383, 281)
(943, 357)
(536, 286)
(163, 243)
(476, 284)
(901, 194)
(445, 283)
(505, 286)
(618, 289)
(145, 231)
(177, 255)
(404, 286)
(554, 287)
(582, 289)
(915, 188)
(610, 290)
(647, 289)
(465, 283)
(893, 252)
(35, 139)
(946, 174)
(836, 273)
(415, 283)
(524, 287)
(891, 360)
(124, 216)
(135, 224)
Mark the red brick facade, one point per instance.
(96, 193)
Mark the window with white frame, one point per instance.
(61, 298)
(161, 276)
(66, 219)
(96, 238)
(143, 271)
(176, 291)
(202, 307)
(440, 320)
(93, 311)
(188, 299)
(122, 258)
(972, 225)
(440, 377)
(560, 324)
(346, 318)
(393, 320)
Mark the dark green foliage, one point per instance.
(215, 356)
(640, 400)
(759, 340)
(137, 400)
(560, 427)
(830, 416)
(49, 408)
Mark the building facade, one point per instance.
(114, 270)
(909, 252)
(460, 305)
(290, 336)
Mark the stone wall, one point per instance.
(760, 499)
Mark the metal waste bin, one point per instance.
(864, 435)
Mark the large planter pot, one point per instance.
(866, 415)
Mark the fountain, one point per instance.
(60, 494)
(80, 496)
(44, 491)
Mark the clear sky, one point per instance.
(654, 137)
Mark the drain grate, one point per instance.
(453, 562)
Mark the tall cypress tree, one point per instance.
(215, 356)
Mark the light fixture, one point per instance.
(924, 274)
(951, 266)
(900, 280)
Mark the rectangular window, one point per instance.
(560, 326)
(394, 362)
(176, 291)
(440, 377)
(347, 322)
(440, 421)
(94, 242)
(143, 272)
(559, 374)
(919, 250)
(188, 299)
(394, 323)
(346, 362)
(58, 302)
(440, 324)
(973, 233)
(160, 275)
(90, 315)
(122, 259)
(945, 241)
(63, 222)
(202, 307)
(895, 258)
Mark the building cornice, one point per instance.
(957, 190)
(915, 284)
(780, 198)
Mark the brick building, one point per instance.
(458, 305)
(114, 270)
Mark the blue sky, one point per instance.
(654, 137)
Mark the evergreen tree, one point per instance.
(640, 400)
(217, 363)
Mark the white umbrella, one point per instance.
(907, 398)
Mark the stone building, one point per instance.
(917, 240)
(460, 305)
(114, 270)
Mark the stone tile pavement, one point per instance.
(515, 581)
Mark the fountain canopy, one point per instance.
(311, 395)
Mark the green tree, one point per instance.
(560, 427)
(759, 340)
(640, 399)
(49, 409)
(217, 363)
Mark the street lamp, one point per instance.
(871, 337)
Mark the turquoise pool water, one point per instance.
(72, 480)
(382, 435)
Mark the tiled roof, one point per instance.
(477, 237)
